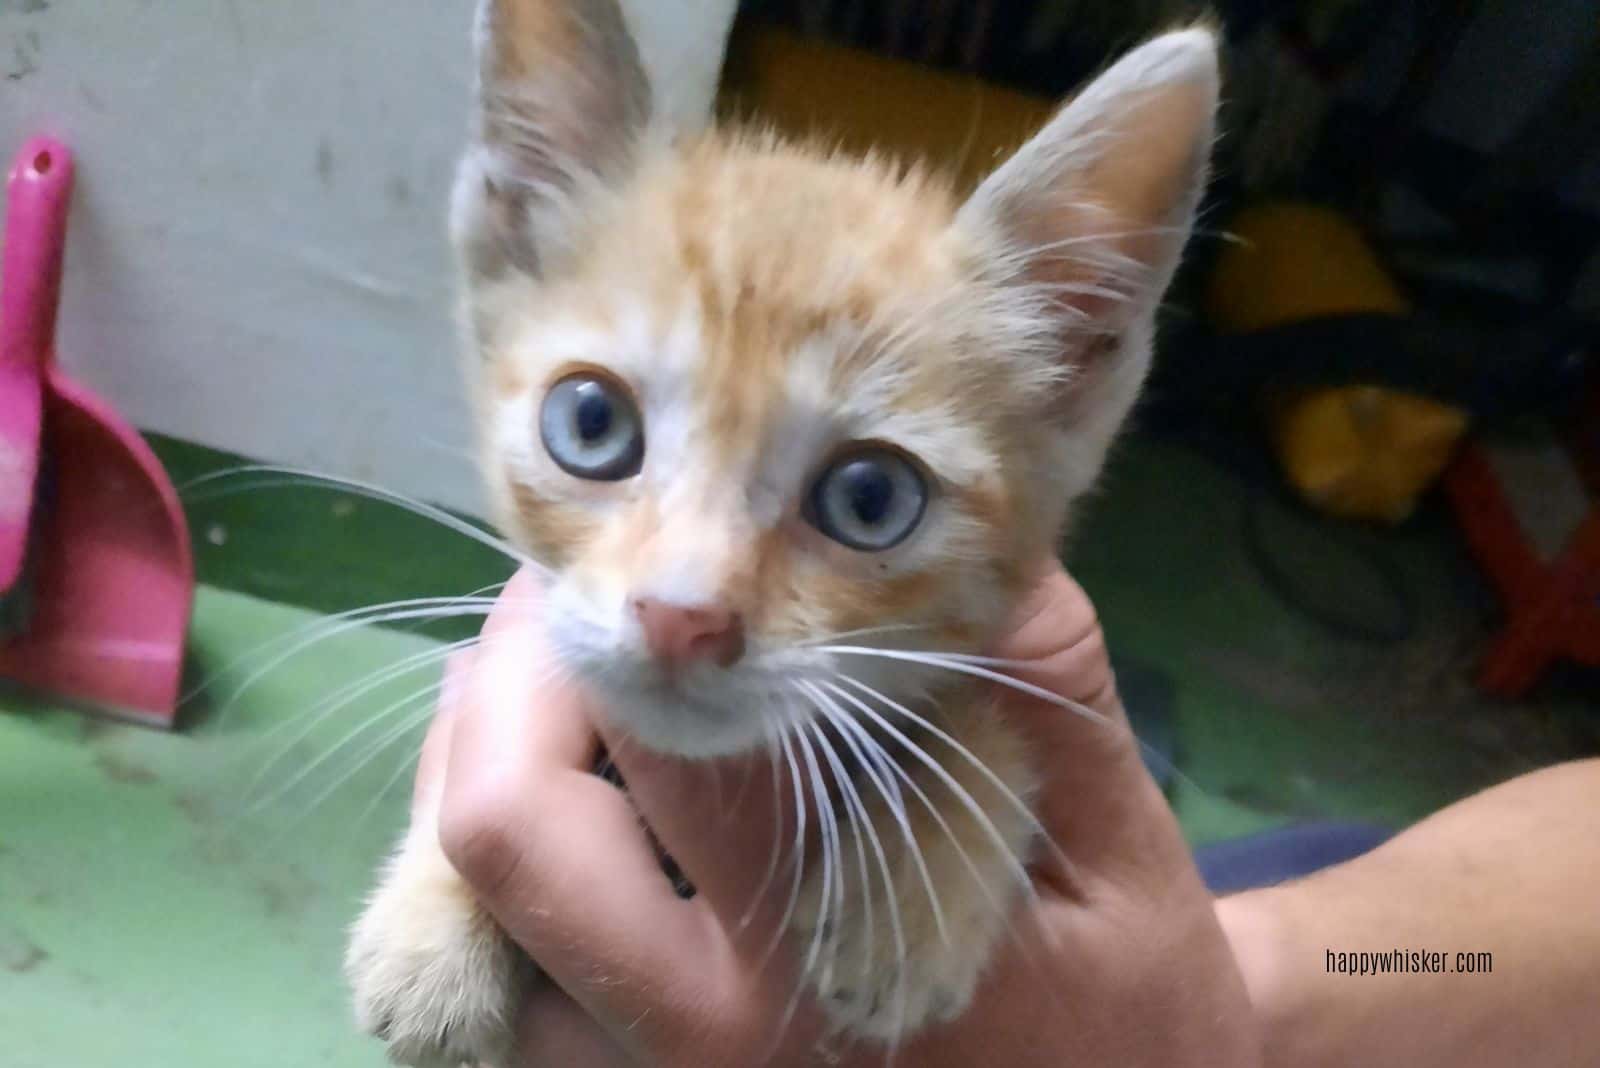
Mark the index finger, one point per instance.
(555, 853)
(729, 826)
(1096, 795)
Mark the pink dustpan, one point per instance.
(92, 537)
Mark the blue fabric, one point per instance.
(1286, 853)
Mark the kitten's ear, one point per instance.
(562, 101)
(1094, 211)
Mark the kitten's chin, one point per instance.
(686, 720)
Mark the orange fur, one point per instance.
(767, 308)
(745, 231)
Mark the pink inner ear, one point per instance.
(562, 99)
(1104, 194)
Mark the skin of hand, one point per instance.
(1511, 872)
(1121, 962)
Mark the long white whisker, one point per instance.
(357, 731)
(890, 896)
(344, 696)
(716, 787)
(979, 667)
(886, 765)
(888, 628)
(364, 489)
(828, 827)
(974, 668)
(405, 764)
(777, 833)
(799, 853)
(739, 796)
(480, 609)
(794, 893)
(861, 822)
(983, 769)
(420, 711)
(949, 781)
(327, 622)
(409, 762)
(842, 721)
(852, 801)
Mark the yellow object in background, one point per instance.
(1365, 452)
(1358, 452)
(1362, 452)
(1291, 263)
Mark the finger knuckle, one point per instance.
(1079, 663)
(476, 832)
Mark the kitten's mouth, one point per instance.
(701, 712)
(607, 770)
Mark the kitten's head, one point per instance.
(742, 396)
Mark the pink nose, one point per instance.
(679, 635)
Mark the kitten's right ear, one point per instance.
(562, 101)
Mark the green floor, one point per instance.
(174, 900)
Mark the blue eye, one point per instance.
(870, 500)
(591, 429)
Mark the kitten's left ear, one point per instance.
(1094, 211)
(562, 103)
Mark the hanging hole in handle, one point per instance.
(43, 162)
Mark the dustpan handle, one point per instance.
(38, 191)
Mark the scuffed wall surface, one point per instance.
(257, 258)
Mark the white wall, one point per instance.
(257, 256)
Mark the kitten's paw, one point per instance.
(433, 977)
(870, 989)
(903, 947)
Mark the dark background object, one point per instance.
(1463, 135)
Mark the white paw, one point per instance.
(871, 988)
(433, 977)
(890, 963)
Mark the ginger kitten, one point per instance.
(743, 398)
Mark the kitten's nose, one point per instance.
(679, 634)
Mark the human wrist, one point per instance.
(1262, 933)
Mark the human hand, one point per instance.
(1121, 961)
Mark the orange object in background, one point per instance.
(1356, 451)
(1365, 452)
(864, 103)
(1293, 263)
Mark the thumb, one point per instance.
(728, 824)
(1096, 794)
